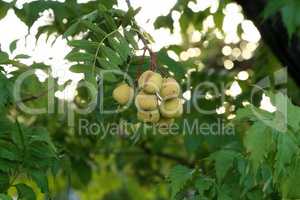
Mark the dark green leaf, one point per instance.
(98, 32)
(72, 30)
(164, 21)
(22, 56)
(41, 180)
(203, 184)
(258, 141)
(223, 162)
(175, 67)
(107, 65)
(84, 44)
(3, 9)
(3, 58)
(5, 197)
(130, 38)
(13, 46)
(113, 57)
(79, 56)
(81, 68)
(286, 149)
(272, 7)
(25, 192)
(179, 176)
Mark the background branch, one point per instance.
(275, 35)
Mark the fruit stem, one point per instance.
(136, 28)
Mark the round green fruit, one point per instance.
(150, 82)
(123, 93)
(144, 101)
(170, 89)
(171, 108)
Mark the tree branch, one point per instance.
(34, 97)
(128, 4)
(153, 56)
(167, 156)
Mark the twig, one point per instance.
(33, 97)
(98, 49)
(167, 156)
(17, 64)
(142, 61)
(153, 56)
(128, 4)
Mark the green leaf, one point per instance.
(22, 56)
(9, 153)
(5, 197)
(164, 21)
(121, 46)
(79, 56)
(289, 17)
(291, 184)
(223, 162)
(258, 140)
(287, 110)
(113, 57)
(48, 30)
(82, 166)
(25, 192)
(5, 88)
(6, 165)
(98, 32)
(3, 9)
(129, 35)
(4, 181)
(127, 19)
(84, 44)
(179, 176)
(109, 4)
(13, 46)
(272, 7)
(72, 30)
(286, 149)
(175, 67)
(41, 180)
(252, 113)
(107, 65)
(3, 58)
(110, 21)
(224, 194)
(203, 184)
(40, 135)
(81, 68)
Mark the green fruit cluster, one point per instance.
(158, 99)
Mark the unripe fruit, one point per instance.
(150, 82)
(145, 101)
(170, 89)
(171, 108)
(149, 116)
(123, 93)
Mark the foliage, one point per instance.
(288, 10)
